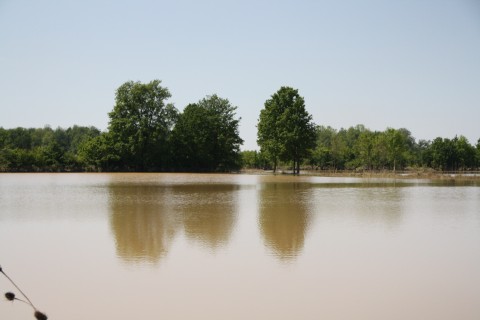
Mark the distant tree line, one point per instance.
(358, 148)
(44, 149)
(146, 133)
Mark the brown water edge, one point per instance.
(381, 174)
(405, 174)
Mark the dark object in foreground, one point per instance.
(11, 297)
(40, 316)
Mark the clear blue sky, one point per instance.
(412, 64)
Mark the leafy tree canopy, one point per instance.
(206, 138)
(285, 129)
(140, 123)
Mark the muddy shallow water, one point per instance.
(201, 246)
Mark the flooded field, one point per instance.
(204, 246)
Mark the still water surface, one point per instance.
(183, 246)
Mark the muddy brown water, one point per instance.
(205, 246)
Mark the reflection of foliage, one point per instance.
(283, 219)
(145, 219)
(209, 216)
(142, 234)
(142, 225)
(382, 204)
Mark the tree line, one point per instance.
(358, 148)
(44, 149)
(145, 133)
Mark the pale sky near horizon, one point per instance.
(411, 64)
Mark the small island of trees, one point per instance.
(146, 133)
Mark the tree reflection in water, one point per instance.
(208, 213)
(146, 219)
(142, 222)
(284, 218)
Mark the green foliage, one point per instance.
(141, 137)
(392, 149)
(422, 154)
(396, 147)
(268, 133)
(364, 150)
(140, 124)
(147, 134)
(321, 156)
(285, 129)
(98, 153)
(42, 149)
(465, 154)
(442, 151)
(252, 159)
(205, 137)
(452, 154)
(477, 165)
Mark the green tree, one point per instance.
(339, 150)
(364, 149)
(41, 149)
(464, 154)
(321, 156)
(52, 156)
(192, 150)
(478, 154)
(298, 134)
(252, 159)
(285, 129)
(268, 131)
(206, 138)
(442, 153)
(19, 138)
(140, 125)
(16, 160)
(452, 154)
(74, 137)
(397, 142)
(344, 147)
(424, 153)
(3, 137)
(98, 154)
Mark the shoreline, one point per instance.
(405, 174)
